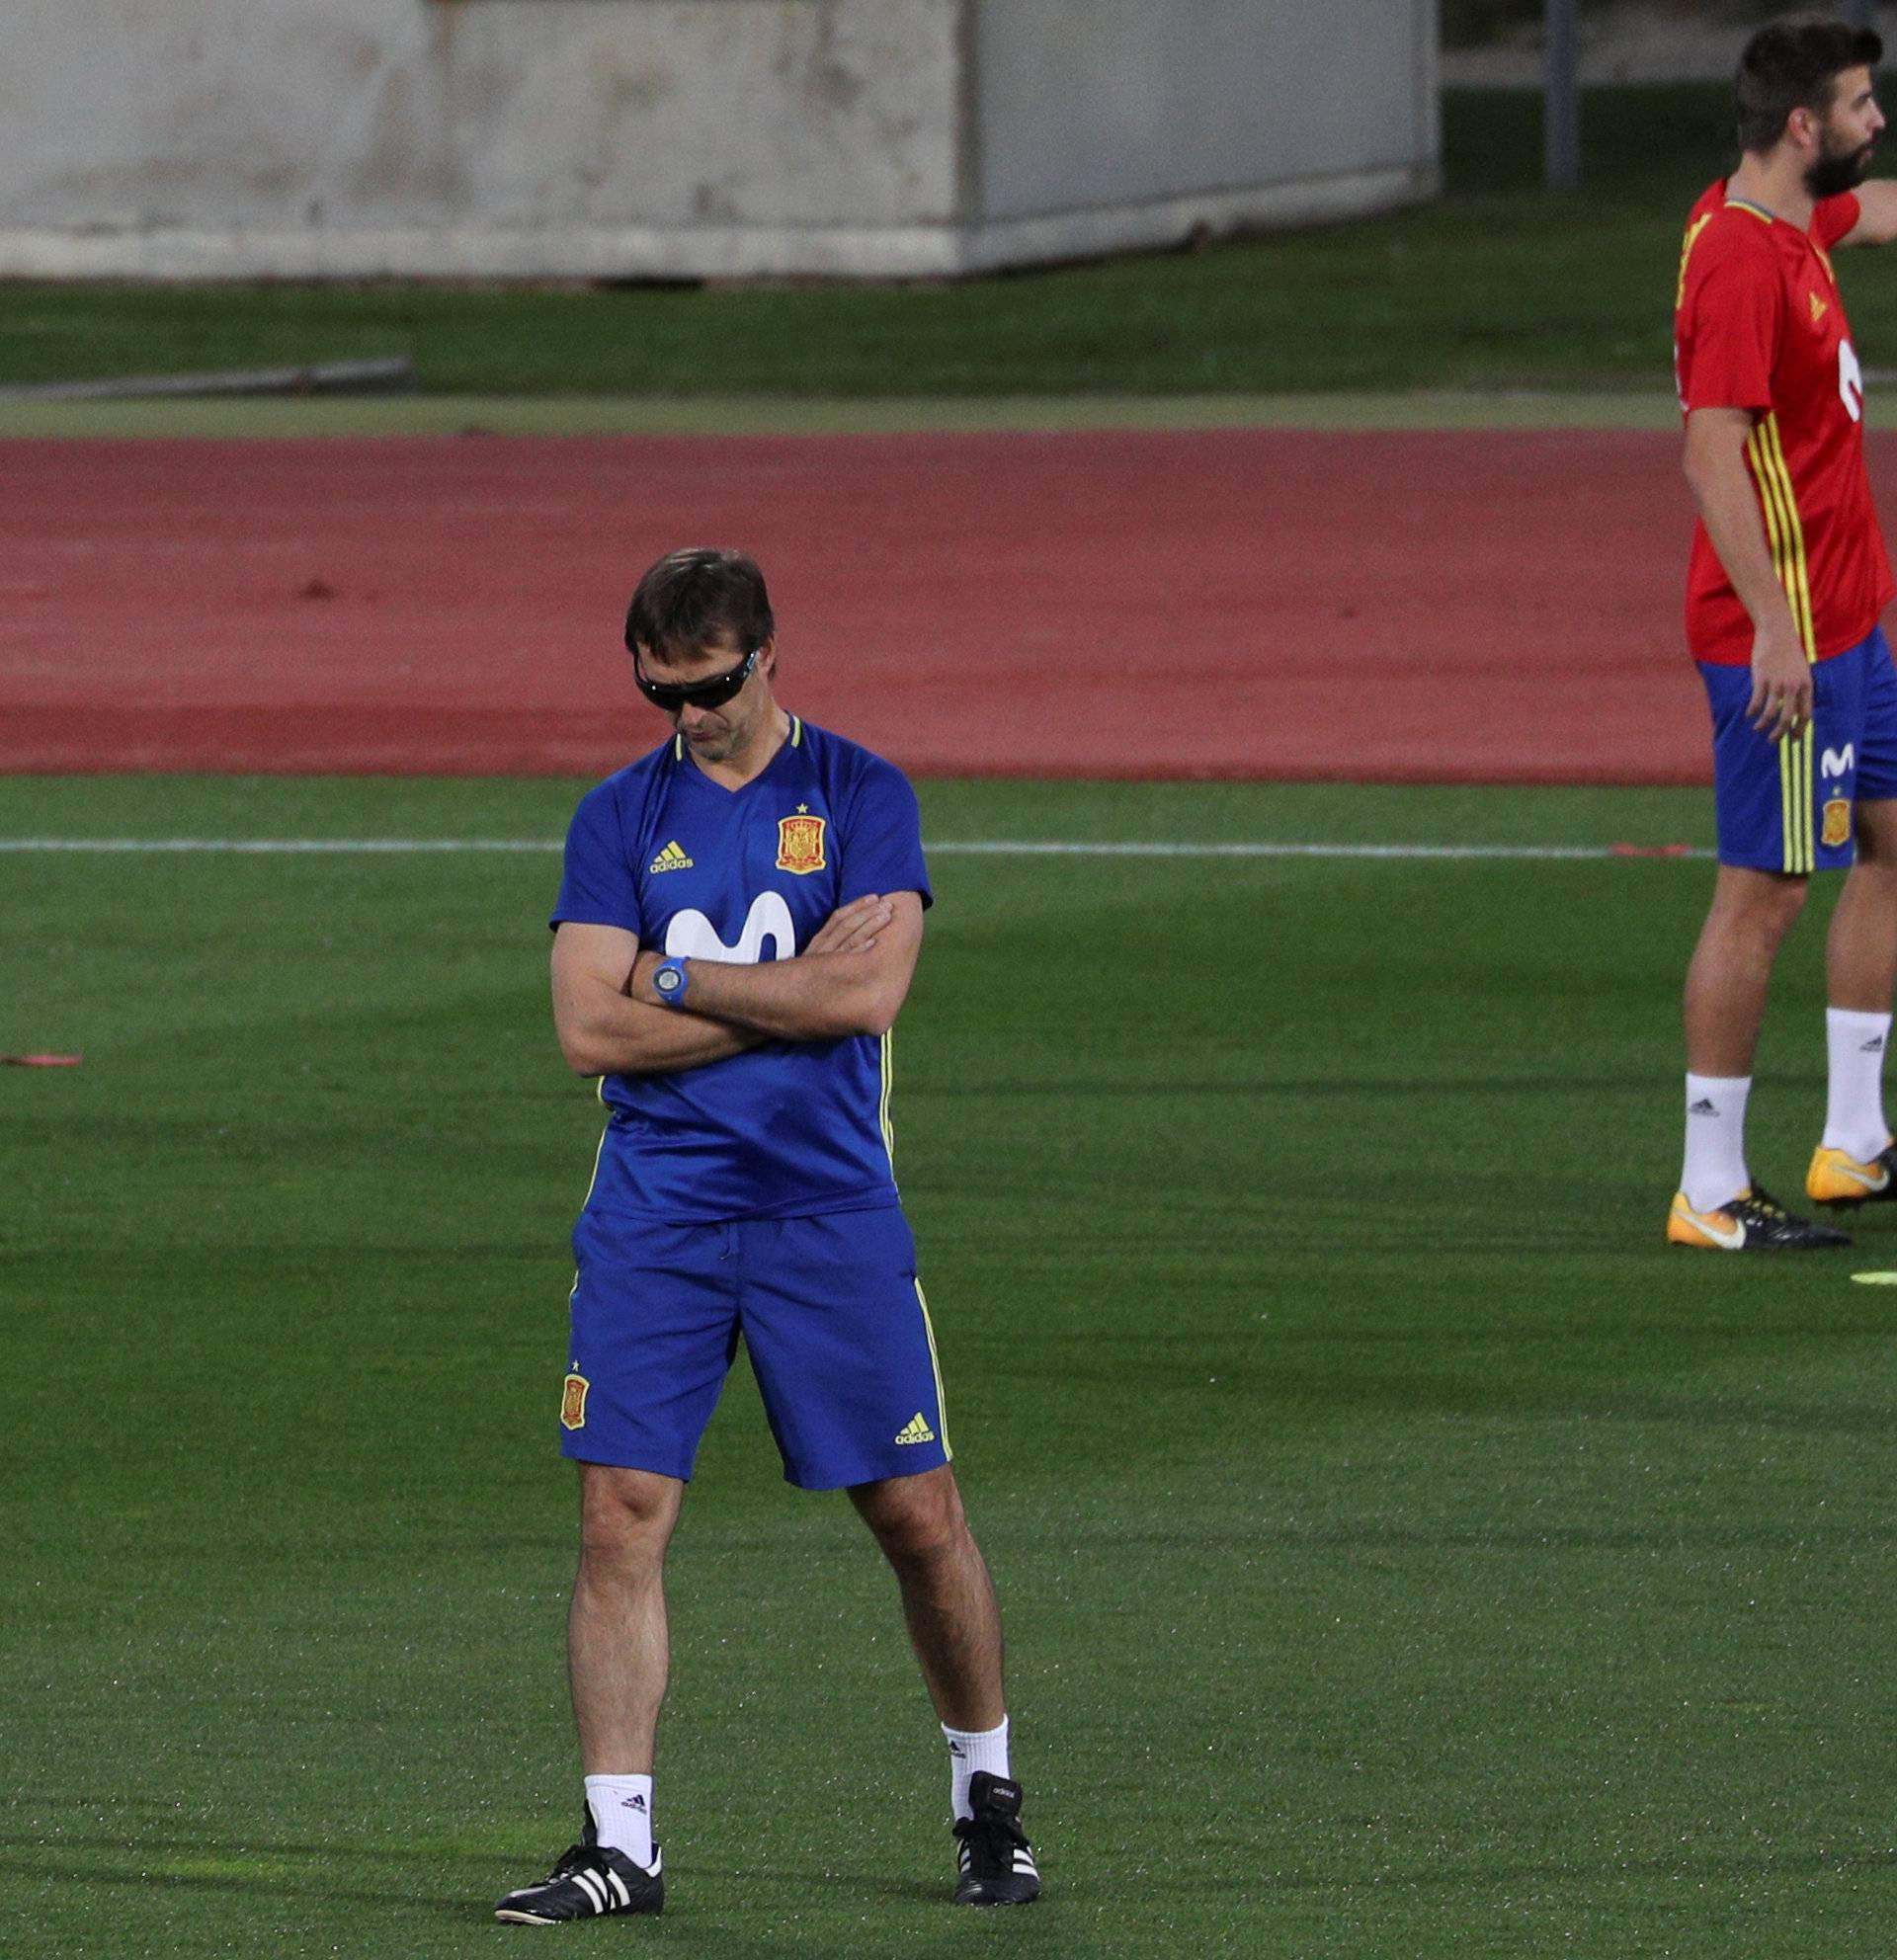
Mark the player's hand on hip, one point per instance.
(853, 927)
(1781, 702)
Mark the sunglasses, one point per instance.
(714, 692)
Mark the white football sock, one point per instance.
(1715, 1166)
(1854, 1106)
(621, 1808)
(971, 1750)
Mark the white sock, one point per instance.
(621, 1808)
(1715, 1166)
(971, 1750)
(1854, 1106)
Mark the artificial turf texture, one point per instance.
(1403, 1553)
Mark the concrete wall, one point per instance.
(1141, 120)
(684, 137)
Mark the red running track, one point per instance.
(1436, 607)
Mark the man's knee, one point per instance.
(1874, 833)
(916, 1520)
(1758, 906)
(625, 1516)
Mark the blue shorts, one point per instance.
(830, 1311)
(1786, 806)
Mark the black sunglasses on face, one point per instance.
(714, 692)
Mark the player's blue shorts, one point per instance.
(830, 1311)
(1786, 806)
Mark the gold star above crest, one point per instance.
(803, 809)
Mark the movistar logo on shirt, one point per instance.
(692, 935)
(671, 859)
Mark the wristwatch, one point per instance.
(669, 982)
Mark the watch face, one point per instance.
(668, 979)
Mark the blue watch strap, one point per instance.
(669, 982)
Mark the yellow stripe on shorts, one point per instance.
(1794, 789)
(935, 1369)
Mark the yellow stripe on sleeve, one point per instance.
(1765, 479)
(1768, 500)
(1784, 532)
(1685, 253)
(1800, 585)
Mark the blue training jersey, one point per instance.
(792, 1128)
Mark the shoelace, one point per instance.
(993, 1838)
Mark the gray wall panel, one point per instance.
(1084, 102)
(618, 138)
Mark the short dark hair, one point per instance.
(691, 598)
(1794, 64)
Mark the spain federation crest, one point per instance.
(1837, 829)
(573, 1401)
(801, 842)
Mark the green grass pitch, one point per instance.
(1497, 284)
(1403, 1554)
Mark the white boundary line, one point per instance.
(349, 847)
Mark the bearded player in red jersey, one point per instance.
(1787, 579)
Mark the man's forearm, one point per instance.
(619, 1036)
(816, 996)
(1729, 508)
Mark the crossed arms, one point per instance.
(851, 979)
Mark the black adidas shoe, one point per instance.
(997, 1863)
(590, 1881)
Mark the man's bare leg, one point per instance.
(1731, 966)
(617, 1653)
(948, 1597)
(617, 1649)
(1725, 1005)
(1861, 966)
(954, 1626)
(1860, 949)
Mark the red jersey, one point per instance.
(1760, 325)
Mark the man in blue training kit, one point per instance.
(736, 931)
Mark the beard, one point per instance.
(1838, 171)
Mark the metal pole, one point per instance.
(1562, 115)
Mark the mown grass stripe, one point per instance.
(293, 847)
